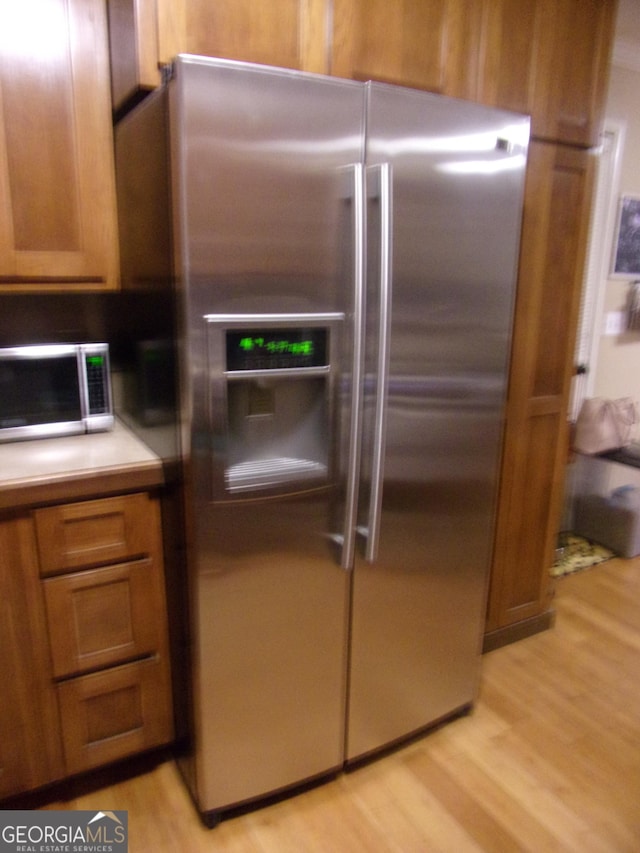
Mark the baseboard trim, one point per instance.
(518, 631)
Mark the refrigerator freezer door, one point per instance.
(455, 173)
(266, 165)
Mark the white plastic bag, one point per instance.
(604, 424)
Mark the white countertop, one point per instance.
(55, 461)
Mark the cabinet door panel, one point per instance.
(102, 617)
(511, 34)
(549, 58)
(557, 207)
(572, 74)
(430, 45)
(244, 29)
(134, 47)
(30, 753)
(148, 33)
(57, 196)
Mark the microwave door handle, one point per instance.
(383, 179)
(347, 539)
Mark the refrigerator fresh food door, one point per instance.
(269, 209)
(445, 182)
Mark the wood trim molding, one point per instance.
(518, 631)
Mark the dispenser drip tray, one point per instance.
(276, 471)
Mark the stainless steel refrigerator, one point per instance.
(344, 259)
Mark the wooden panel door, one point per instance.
(57, 194)
(556, 216)
(429, 45)
(30, 753)
(549, 59)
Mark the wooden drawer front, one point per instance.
(102, 617)
(89, 533)
(109, 715)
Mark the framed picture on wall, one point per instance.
(626, 246)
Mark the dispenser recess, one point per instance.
(272, 381)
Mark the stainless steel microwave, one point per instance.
(54, 389)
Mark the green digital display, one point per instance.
(264, 349)
(96, 360)
(250, 343)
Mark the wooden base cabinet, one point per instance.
(555, 226)
(85, 659)
(103, 583)
(30, 745)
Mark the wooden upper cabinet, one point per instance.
(147, 34)
(134, 45)
(510, 32)
(546, 58)
(550, 59)
(57, 193)
(288, 33)
(429, 45)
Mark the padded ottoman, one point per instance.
(610, 521)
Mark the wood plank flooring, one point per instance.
(549, 760)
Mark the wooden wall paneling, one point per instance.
(556, 217)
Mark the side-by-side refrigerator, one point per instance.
(344, 262)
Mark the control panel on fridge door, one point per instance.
(272, 402)
(276, 349)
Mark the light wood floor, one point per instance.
(548, 761)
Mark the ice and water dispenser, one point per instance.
(272, 381)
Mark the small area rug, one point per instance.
(575, 553)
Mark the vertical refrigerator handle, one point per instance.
(383, 178)
(353, 464)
